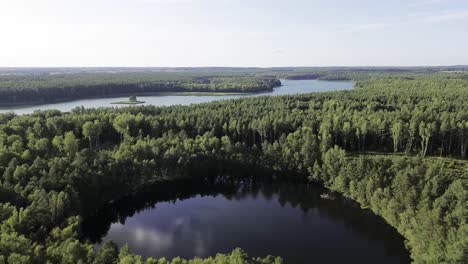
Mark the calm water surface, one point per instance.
(291, 221)
(289, 87)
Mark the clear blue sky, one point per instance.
(233, 32)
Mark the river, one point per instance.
(289, 87)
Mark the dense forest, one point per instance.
(51, 87)
(20, 86)
(396, 144)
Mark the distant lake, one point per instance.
(288, 220)
(289, 87)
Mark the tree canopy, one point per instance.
(396, 145)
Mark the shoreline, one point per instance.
(128, 103)
(5, 107)
(12, 106)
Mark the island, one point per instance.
(132, 100)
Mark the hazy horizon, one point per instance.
(233, 67)
(233, 33)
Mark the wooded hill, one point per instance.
(47, 85)
(47, 88)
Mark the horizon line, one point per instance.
(235, 67)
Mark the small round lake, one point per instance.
(289, 87)
(287, 220)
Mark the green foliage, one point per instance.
(107, 254)
(57, 168)
(42, 88)
(70, 144)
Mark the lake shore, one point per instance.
(288, 87)
(13, 105)
(129, 102)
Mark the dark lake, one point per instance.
(287, 220)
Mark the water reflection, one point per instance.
(290, 220)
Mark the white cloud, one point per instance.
(366, 27)
(278, 51)
(169, 1)
(446, 16)
(183, 1)
(427, 3)
(149, 239)
(412, 19)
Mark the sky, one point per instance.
(241, 33)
